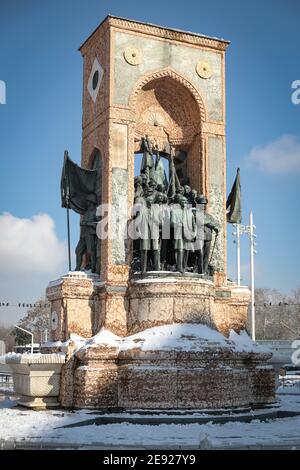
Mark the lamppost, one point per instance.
(249, 230)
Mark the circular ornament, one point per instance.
(133, 55)
(204, 69)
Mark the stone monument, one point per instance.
(160, 325)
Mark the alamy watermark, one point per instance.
(155, 221)
(296, 354)
(295, 97)
(2, 92)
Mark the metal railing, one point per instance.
(6, 381)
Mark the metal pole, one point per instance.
(238, 255)
(29, 332)
(69, 243)
(252, 274)
(66, 166)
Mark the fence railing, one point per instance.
(6, 381)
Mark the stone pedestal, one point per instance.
(165, 298)
(73, 305)
(82, 304)
(36, 378)
(171, 367)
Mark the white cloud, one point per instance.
(31, 255)
(30, 245)
(281, 156)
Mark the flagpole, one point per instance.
(238, 255)
(68, 208)
(69, 244)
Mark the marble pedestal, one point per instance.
(36, 378)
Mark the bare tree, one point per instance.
(37, 320)
(277, 315)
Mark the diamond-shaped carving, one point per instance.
(95, 79)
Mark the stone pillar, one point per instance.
(74, 306)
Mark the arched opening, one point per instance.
(168, 169)
(169, 114)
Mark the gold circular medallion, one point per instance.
(133, 55)
(204, 69)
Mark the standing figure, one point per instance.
(184, 231)
(88, 238)
(138, 187)
(147, 165)
(193, 197)
(164, 229)
(210, 225)
(199, 242)
(189, 231)
(160, 176)
(149, 234)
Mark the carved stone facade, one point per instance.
(162, 96)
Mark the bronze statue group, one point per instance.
(170, 227)
(173, 231)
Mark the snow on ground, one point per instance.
(17, 424)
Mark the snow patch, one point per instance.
(174, 337)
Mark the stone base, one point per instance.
(202, 374)
(38, 402)
(82, 304)
(165, 298)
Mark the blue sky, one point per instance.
(42, 69)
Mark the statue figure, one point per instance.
(189, 231)
(138, 187)
(88, 239)
(187, 191)
(144, 181)
(182, 220)
(159, 173)
(199, 241)
(193, 197)
(147, 165)
(152, 188)
(210, 225)
(164, 228)
(149, 229)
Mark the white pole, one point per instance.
(46, 335)
(29, 332)
(252, 274)
(238, 255)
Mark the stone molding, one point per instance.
(168, 34)
(170, 73)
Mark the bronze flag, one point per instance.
(233, 204)
(77, 185)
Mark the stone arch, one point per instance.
(163, 73)
(167, 107)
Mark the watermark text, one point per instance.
(2, 92)
(296, 94)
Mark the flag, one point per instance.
(77, 185)
(233, 204)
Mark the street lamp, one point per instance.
(29, 332)
(249, 230)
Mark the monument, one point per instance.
(160, 325)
